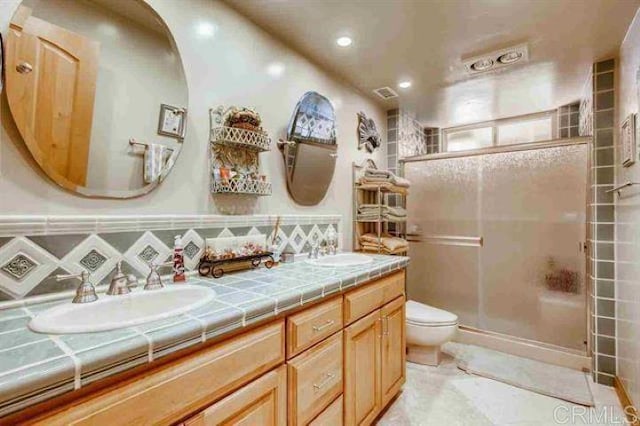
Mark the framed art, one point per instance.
(172, 121)
(628, 140)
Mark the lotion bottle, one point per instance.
(178, 260)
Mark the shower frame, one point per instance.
(554, 143)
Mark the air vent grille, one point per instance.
(386, 93)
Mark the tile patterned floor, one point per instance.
(448, 396)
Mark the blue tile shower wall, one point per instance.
(33, 252)
(601, 266)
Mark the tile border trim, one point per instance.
(11, 226)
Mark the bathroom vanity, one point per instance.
(339, 358)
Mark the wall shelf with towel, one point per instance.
(379, 215)
(236, 139)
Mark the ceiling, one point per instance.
(424, 41)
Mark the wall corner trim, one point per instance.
(629, 408)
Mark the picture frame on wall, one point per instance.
(628, 140)
(172, 121)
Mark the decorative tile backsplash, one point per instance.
(35, 249)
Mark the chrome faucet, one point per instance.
(132, 281)
(323, 248)
(154, 281)
(85, 292)
(331, 242)
(315, 250)
(119, 283)
(331, 248)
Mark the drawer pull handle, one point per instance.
(328, 378)
(329, 323)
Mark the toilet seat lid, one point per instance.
(421, 314)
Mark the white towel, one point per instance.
(155, 158)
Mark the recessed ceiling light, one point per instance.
(344, 41)
(482, 65)
(404, 84)
(510, 57)
(205, 29)
(275, 69)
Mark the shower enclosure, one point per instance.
(497, 237)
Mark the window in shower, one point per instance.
(508, 131)
(523, 131)
(463, 140)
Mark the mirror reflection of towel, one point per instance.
(155, 158)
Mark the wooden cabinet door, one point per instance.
(362, 353)
(315, 380)
(261, 402)
(393, 348)
(51, 81)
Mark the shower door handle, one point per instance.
(447, 240)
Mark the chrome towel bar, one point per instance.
(624, 185)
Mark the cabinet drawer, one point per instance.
(331, 416)
(362, 301)
(175, 390)
(315, 380)
(311, 326)
(261, 402)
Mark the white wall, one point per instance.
(227, 60)
(628, 226)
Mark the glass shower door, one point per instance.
(442, 210)
(498, 241)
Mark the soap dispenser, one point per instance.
(178, 260)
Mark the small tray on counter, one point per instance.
(217, 268)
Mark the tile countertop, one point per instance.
(35, 367)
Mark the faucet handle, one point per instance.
(85, 292)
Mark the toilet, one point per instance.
(427, 329)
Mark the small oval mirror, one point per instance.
(98, 93)
(311, 150)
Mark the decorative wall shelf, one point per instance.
(233, 153)
(248, 139)
(249, 187)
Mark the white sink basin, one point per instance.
(111, 312)
(341, 260)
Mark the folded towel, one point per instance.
(400, 181)
(388, 242)
(383, 176)
(155, 161)
(369, 172)
(381, 248)
(376, 211)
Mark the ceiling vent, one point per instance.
(386, 93)
(495, 60)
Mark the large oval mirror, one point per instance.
(311, 150)
(98, 93)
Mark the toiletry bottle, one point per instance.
(178, 260)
